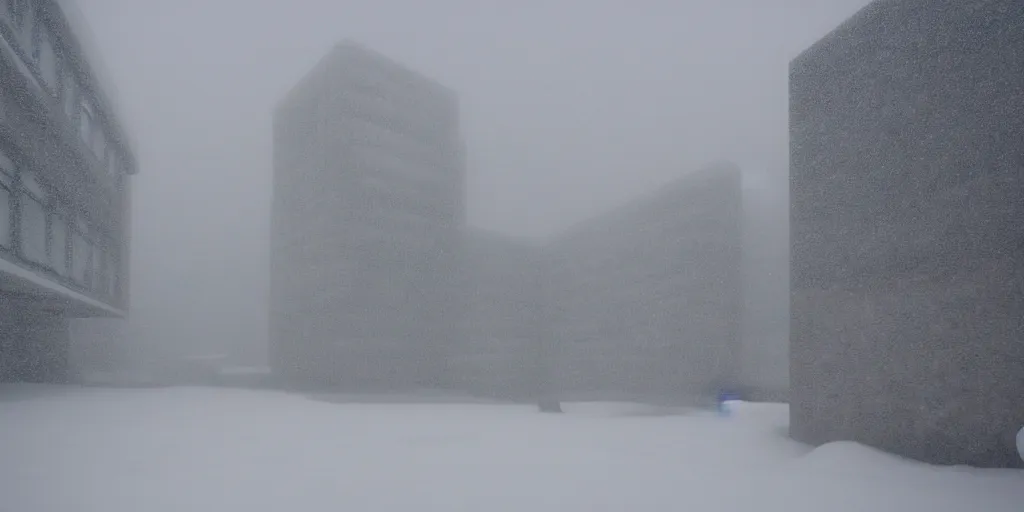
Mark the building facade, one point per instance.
(764, 364)
(65, 162)
(646, 301)
(907, 231)
(500, 353)
(367, 218)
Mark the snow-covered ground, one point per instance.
(192, 449)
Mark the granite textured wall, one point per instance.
(907, 231)
(646, 300)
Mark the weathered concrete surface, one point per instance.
(34, 346)
(907, 224)
(647, 299)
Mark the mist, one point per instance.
(567, 111)
(698, 255)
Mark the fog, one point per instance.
(568, 109)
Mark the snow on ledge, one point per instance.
(25, 274)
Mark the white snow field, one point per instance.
(194, 449)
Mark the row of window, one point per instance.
(34, 225)
(405, 152)
(385, 113)
(38, 45)
(418, 104)
(372, 203)
(399, 85)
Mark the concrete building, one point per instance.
(646, 300)
(764, 360)
(499, 353)
(532, 305)
(907, 222)
(64, 189)
(368, 212)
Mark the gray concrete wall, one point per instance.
(33, 346)
(647, 300)
(498, 354)
(907, 224)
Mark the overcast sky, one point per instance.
(569, 107)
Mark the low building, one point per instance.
(646, 299)
(498, 353)
(764, 360)
(367, 218)
(65, 162)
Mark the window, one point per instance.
(115, 285)
(85, 125)
(33, 227)
(47, 60)
(112, 272)
(59, 244)
(91, 131)
(7, 174)
(80, 254)
(27, 26)
(99, 270)
(99, 143)
(18, 10)
(70, 100)
(5, 213)
(112, 163)
(33, 35)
